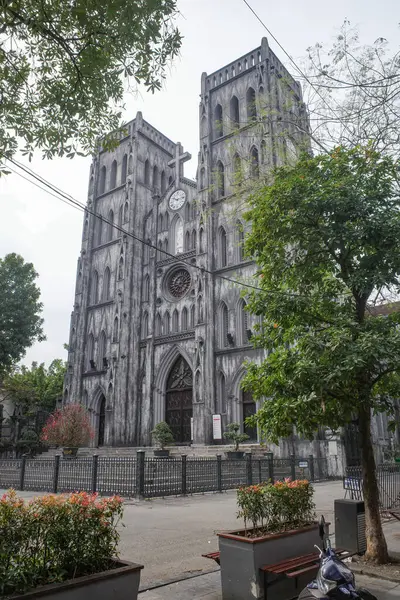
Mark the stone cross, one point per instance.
(177, 162)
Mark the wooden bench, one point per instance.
(213, 556)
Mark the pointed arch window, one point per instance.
(99, 230)
(115, 335)
(145, 325)
(106, 284)
(223, 254)
(166, 221)
(146, 289)
(101, 350)
(175, 321)
(184, 319)
(218, 122)
(188, 212)
(234, 111)
(221, 394)
(102, 181)
(147, 172)
(124, 168)
(110, 226)
(200, 315)
(194, 237)
(177, 237)
(163, 182)
(240, 241)
(201, 236)
(85, 228)
(251, 104)
(113, 177)
(202, 178)
(170, 180)
(121, 268)
(126, 212)
(220, 180)
(120, 217)
(237, 169)
(242, 322)
(192, 316)
(155, 178)
(160, 222)
(158, 324)
(223, 318)
(187, 241)
(146, 252)
(95, 288)
(254, 163)
(166, 324)
(89, 351)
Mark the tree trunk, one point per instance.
(376, 544)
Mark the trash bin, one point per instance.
(350, 526)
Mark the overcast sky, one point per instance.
(48, 233)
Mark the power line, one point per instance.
(68, 199)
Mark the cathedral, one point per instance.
(159, 330)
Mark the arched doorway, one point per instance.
(249, 409)
(102, 421)
(178, 406)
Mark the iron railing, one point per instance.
(153, 477)
(388, 476)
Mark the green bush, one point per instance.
(232, 434)
(54, 538)
(276, 507)
(163, 434)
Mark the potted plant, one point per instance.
(28, 443)
(279, 524)
(233, 434)
(75, 540)
(68, 427)
(164, 437)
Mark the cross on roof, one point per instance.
(177, 162)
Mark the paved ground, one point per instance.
(169, 535)
(207, 587)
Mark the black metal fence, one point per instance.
(153, 477)
(388, 476)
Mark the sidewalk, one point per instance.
(208, 587)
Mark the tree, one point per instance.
(37, 387)
(63, 66)
(325, 237)
(20, 313)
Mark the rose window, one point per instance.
(179, 283)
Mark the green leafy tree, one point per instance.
(20, 312)
(325, 236)
(37, 387)
(64, 66)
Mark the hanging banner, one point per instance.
(217, 429)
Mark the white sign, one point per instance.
(191, 428)
(303, 464)
(217, 430)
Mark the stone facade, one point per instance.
(157, 331)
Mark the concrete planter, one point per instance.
(121, 582)
(242, 557)
(69, 452)
(235, 454)
(161, 453)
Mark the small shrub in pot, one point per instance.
(163, 435)
(233, 434)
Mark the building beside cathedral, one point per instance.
(158, 332)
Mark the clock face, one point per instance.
(177, 199)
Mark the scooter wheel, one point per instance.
(306, 595)
(365, 594)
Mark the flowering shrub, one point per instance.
(68, 427)
(54, 538)
(276, 507)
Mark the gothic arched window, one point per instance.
(242, 322)
(218, 123)
(126, 212)
(101, 350)
(115, 330)
(121, 268)
(166, 327)
(234, 111)
(177, 235)
(188, 212)
(145, 325)
(166, 221)
(201, 235)
(147, 172)
(200, 315)
(85, 228)
(146, 289)
(89, 351)
(102, 181)
(202, 178)
(95, 288)
(163, 182)
(124, 168)
(254, 163)
(221, 394)
(170, 180)
(187, 241)
(113, 177)
(106, 284)
(160, 222)
(110, 226)
(194, 235)
(184, 319)
(220, 179)
(155, 178)
(223, 255)
(237, 169)
(158, 324)
(240, 240)
(251, 104)
(192, 316)
(99, 230)
(175, 321)
(223, 325)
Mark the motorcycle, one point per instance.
(334, 581)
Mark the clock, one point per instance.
(177, 200)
